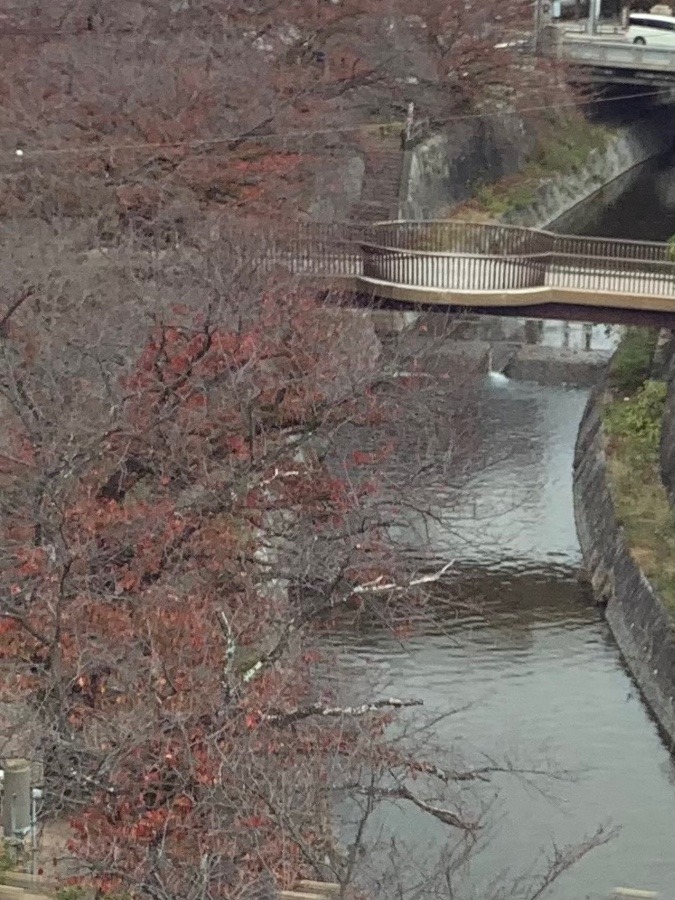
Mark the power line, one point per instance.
(27, 154)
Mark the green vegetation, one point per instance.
(6, 859)
(632, 361)
(563, 147)
(671, 248)
(637, 422)
(71, 892)
(505, 197)
(632, 421)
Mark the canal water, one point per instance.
(528, 663)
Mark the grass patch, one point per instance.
(633, 428)
(564, 147)
(505, 197)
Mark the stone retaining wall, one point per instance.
(448, 168)
(633, 610)
(628, 147)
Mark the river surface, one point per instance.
(530, 664)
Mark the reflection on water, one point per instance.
(518, 507)
(532, 668)
(575, 336)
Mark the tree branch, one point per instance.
(13, 307)
(318, 709)
(379, 586)
(438, 812)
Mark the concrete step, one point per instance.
(325, 888)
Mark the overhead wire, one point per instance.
(24, 153)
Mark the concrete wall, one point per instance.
(633, 610)
(448, 168)
(557, 366)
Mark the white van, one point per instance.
(645, 28)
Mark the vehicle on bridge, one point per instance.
(647, 28)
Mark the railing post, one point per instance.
(409, 122)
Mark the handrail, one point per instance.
(406, 252)
(354, 232)
(417, 226)
(478, 257)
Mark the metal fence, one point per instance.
(459, 237)
(612, 275)
(474, 257)
(611, 248)
(450, 271)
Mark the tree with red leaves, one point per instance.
(200, 470)
(178, 520)
(201, 465)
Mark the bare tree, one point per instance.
(127, 110)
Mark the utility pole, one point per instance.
(594, 7)
(537, 25)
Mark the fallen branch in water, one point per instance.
(380, 586)
(318, 709)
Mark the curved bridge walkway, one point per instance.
(466, 264)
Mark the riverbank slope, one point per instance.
(609, 525)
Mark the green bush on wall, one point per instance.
(632, 361)
(638, 420)
(671, 248)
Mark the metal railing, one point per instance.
(475, 257)
(459, 237)
(619, 54)
(454, 271)
(611, 248)
(610, 275)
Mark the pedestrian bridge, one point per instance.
(464, 264)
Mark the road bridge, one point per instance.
(607, 57)
(491, 268)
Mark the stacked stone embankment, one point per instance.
(634, 611)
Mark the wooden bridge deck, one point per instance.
(475, 265)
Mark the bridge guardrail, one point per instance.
(616, 53)
(476, 257)
(611, 248)
(459, 237)
(612, 275)
(454, 271)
